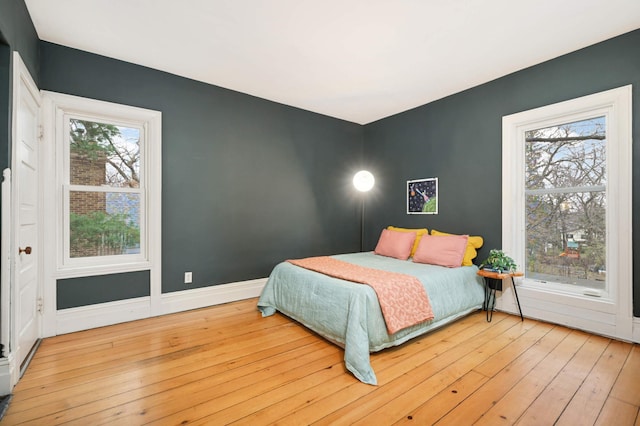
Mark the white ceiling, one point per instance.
(358, 60)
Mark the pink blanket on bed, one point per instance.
(403, 299)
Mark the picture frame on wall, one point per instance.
(422, 196)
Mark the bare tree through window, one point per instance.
(566, 203)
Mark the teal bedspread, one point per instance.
(349, 314)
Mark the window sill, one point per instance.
(93, 270)
(535, 293)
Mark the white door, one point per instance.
(26, 291)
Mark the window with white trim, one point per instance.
(567, 178)
(107, 183)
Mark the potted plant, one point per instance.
(498, 261)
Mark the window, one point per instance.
(565, 207)
(106, 190)
(107, 185)
(566, 210)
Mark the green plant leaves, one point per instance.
(499, 261)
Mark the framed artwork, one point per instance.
(422, 196)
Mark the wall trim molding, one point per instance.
(185, 300)
(600, 323)
(57, 109)
(636, 330)
(8, 374)
(103, 314)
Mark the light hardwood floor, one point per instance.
(227, 364)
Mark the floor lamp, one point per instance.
(363, 181)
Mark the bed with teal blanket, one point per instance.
(348, 314)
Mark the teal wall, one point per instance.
(459, 140)
(246, 182)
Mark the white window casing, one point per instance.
(608, 315)
(58, 109)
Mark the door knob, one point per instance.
(26, 250)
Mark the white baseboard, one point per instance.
(8, 376)
(208, 296)
(590, 320)
(99, 315)
(102, 314)
(636, 330)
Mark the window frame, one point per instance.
(67, 188)
(555, 285)
(610, 314)
(61, 108)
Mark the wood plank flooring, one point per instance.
(228, 365)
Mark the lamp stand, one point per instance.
(362, 226)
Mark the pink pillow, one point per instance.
(395, 244)
(441, 250)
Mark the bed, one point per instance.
(349, 315)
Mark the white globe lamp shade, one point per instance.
(363, 181)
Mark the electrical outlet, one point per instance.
(188, 277)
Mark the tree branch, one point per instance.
(567, 138)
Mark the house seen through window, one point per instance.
(105, 189)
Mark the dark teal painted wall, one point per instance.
(101, 288)
(18, 31)
(246, 182)
(459, 140)
(5, 104)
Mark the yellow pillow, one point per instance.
(419, 233)
(473, 243)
